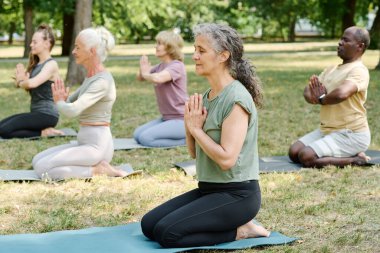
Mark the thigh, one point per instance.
(168, 129)
(311, 137)
(344, 143)
(100, 139)
(14, 122)
(149, 220)
(144, 127)
(215, 212)
(51, 151)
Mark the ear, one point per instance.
(361, 47)
(93, 51)
(223, 56)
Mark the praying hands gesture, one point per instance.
(60, 93)
(314, 90)
(195, 113)
(144, 66)
(21, 74)
(195, 117)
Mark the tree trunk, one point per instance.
(375, 31)
(12, 29)
(82, 20)
(28, 23)
(349, 14)
(68, 29)
(292, 30)
(375, 34)
(378, 64)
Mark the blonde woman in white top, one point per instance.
(92, 102)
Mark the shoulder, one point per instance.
(238, 94)
(176, 65)
(360, 67)
(51, 64)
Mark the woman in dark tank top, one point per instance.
(42, 70)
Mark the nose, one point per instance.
(195, 56)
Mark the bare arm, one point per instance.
(48, 72)
(144, 73)
(344, 91)
(234, 130)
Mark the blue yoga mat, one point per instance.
(118, 239)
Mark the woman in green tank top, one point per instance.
(221, 133)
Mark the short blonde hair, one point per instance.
(173, 43)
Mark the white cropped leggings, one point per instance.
(75, 160)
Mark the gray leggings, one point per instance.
(75, 160)
(161, 133)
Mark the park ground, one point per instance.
(330, 210)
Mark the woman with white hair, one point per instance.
(92, 103)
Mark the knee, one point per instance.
(293, 154)
(159, 233)
(147, 227)
(165, 236)
(38, 168)
(294, 151)
(145, 139)
(307, 157)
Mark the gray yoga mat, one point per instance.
(30, 175)
(117, 239)
(67, 132)
(266, 164)
(128, 143)
(276, 163)
(375, 157)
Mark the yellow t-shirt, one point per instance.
(350, 113)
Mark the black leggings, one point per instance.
(205, 216)
(26, 125)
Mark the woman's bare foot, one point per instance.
(51, 131)
(251, 230)
(361, 159)
(104, 168)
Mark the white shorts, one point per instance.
(343, 143)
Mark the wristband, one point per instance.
(321, 97)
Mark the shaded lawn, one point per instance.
(332, 210)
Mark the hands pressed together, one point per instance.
(316, 88)
(20, 74)
(60, 93)
(195, 113)
(145, 65)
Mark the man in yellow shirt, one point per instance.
(341, 90)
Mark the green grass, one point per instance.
(330, 210)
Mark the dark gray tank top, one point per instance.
(41, 96)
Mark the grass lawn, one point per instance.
(331, 210)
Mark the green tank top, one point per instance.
(218, 109)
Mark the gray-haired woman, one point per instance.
(92, 102)
(221, 133)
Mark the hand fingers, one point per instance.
(196, 101)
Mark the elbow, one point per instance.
(342, 96)
(156, 79)
(227, 164)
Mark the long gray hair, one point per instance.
(224, 38)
